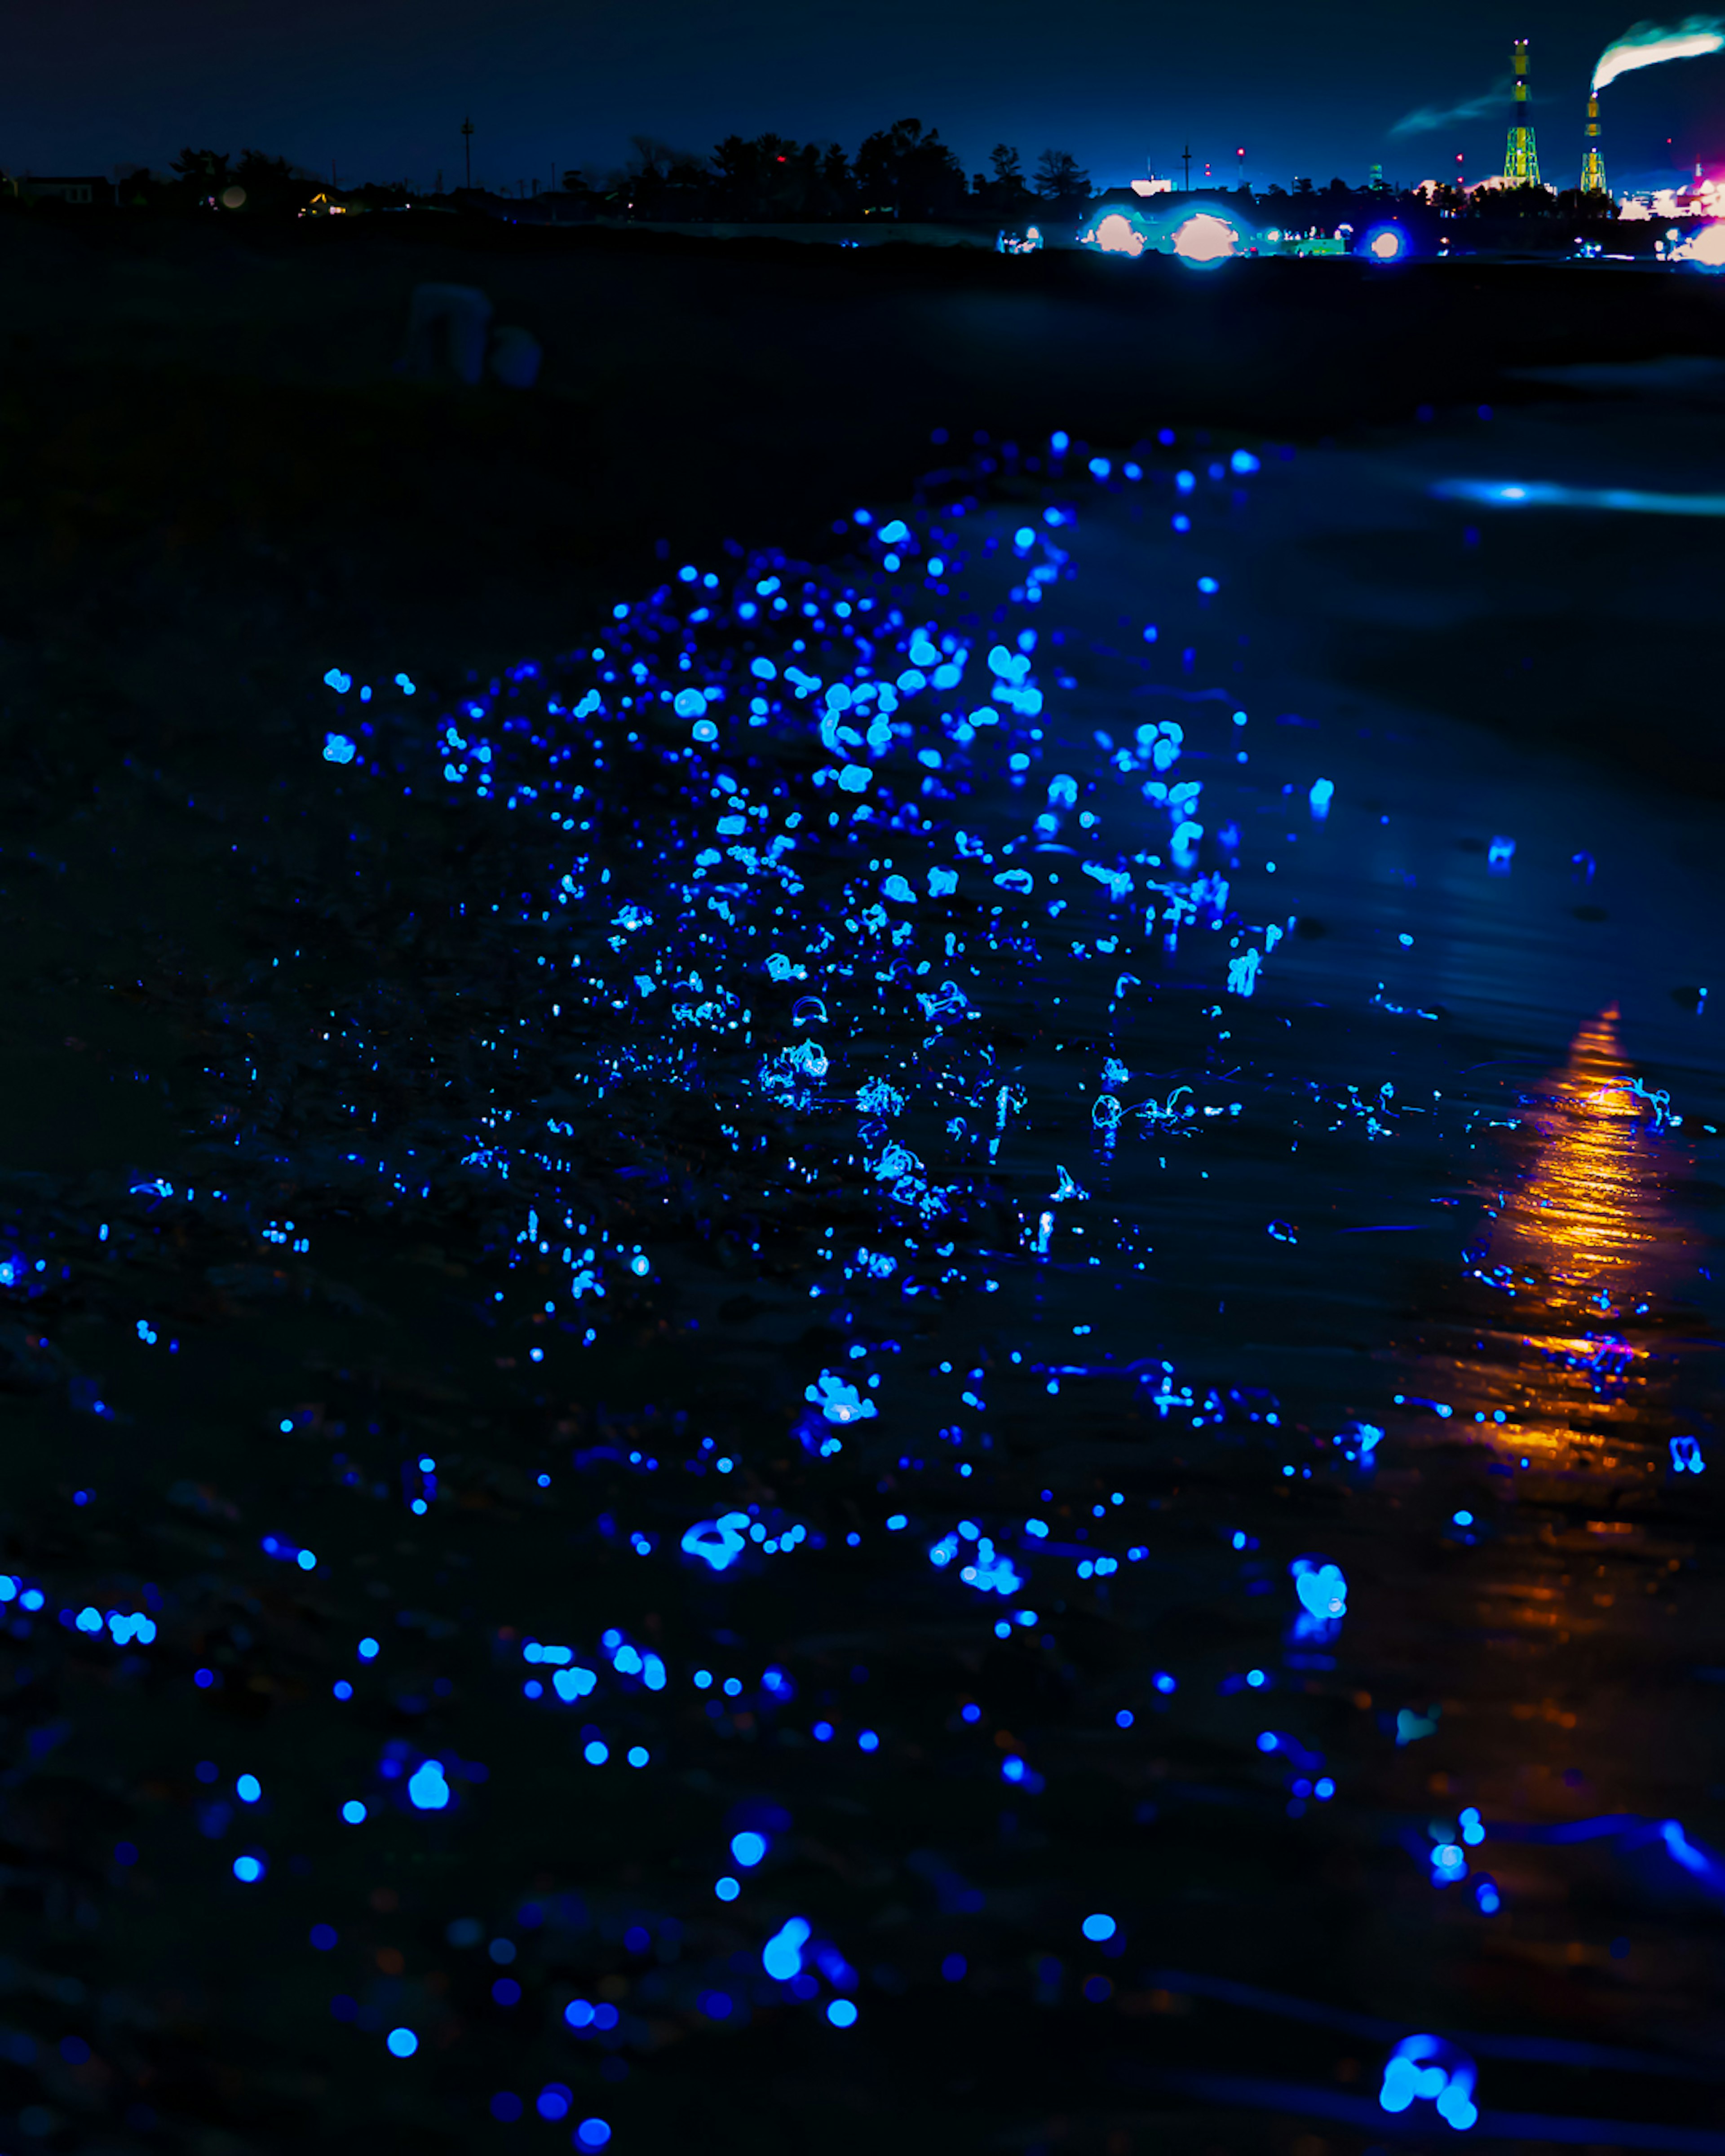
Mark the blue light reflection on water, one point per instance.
(1550, 494)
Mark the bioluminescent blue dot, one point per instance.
(593, 2134)
(502, 1951)
(342, 1688)
(402, 2043)
(639, 1755)
(954, 1969)
(1123, 1719)
(1099, 1928)
(578, 2013)
(842, 2013)
(353, 1811)
(782, 1956)
(748, 1849)
(867, 1741)
(368, 1651)
(553, 2102)
(323, 1937)
(428, 1789)
(822, 1733)
(249, 1870)
(596, 1752)
(249, 1789)
(726, 1889)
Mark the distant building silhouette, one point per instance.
(90, 191)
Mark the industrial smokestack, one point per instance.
(1593, 165)
(1521, 161)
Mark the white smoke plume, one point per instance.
(1645, 44)
(1427, 118)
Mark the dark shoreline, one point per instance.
(212, 485)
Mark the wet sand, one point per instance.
(248, 1010)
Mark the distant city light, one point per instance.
(1204, 239)
(1117, 235)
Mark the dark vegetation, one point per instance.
(904, 172)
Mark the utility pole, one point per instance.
(1186, 160)
(467, 144)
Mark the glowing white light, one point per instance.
(1706, 247)
(1117, 235)
(1205, 238)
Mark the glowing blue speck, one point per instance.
(428, 1791)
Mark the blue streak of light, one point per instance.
(1544, 494)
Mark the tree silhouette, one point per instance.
(202, 173)
(769, 177)
(1061, 180)
(912, 173)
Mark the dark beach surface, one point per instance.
(958, 1367)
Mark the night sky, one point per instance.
(380, 86)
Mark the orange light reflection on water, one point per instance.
(1581, 1247)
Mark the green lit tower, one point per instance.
(1593, 165)
(1520, 162)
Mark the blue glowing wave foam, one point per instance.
(1545, 494)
